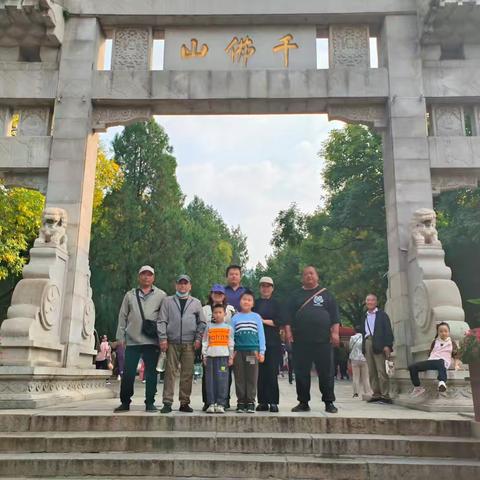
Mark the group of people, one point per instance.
(236, 332)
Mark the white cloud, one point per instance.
(250, 167)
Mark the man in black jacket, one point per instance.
(314, 323)
(377, 347)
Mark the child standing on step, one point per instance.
(442, 352)
(249, 352)
(217, 351)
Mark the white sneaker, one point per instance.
(220, 409)
(211, 408)
(417, 392)
(442, 386)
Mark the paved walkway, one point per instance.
(347, 406)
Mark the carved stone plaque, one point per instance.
(132, 48)
(448, 121)
(33, 122)
(349, 46)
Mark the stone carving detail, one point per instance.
(373, 115)
(105, 117)
(51, 304)
(446, 181)
(434, 297)
(31, 333)
(33, 122)
(88, 312)
(33, 181)
(40, 20)
(54, 228)
(448, 121)
(424, 228)
(131, 49)
(420, 307)
(349, 46)
(50, 386)
(4, 120)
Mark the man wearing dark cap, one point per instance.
(180, 330)
(140, 305)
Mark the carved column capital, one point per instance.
(105, 117)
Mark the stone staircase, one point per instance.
(259, 446)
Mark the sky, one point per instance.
(249, 167)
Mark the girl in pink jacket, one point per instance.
(442, 353)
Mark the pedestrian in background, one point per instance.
(361, 383)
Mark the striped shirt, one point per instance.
(249, 333)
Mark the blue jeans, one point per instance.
(216, 380)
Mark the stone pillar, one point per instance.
(71, 179)
(60, 368)
(406, 164)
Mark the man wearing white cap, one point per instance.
(137, 329)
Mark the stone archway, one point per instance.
(221, 59)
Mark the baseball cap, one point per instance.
(183, 277)
(146, 268)
(266, 280)
(218, 288)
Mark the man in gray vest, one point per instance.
(137, 322)
(180, 330)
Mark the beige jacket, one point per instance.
(130, 320)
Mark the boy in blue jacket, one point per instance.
(249, 339)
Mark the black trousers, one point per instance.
(321, 355)
(290, 367)
(267, 388)
(150, 354)
(438, 365)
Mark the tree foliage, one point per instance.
(459, 230)
(346, 238)
(20, 216)
(144, 221)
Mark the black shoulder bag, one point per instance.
(149, 327)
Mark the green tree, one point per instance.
(209, 247)
(345, 239)
(20, 217)
(459, 230)
(142, 222)
(108, 177)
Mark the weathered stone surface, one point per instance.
(413, 77)
(27, 22)
(31, 333)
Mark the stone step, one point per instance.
(251, 443)
(231, 422)
(215, 465)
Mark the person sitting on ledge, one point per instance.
(442, 352)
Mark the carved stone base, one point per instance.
(457, 398)
(36, 387)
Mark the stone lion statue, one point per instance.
(424, 228)
(54, 227)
